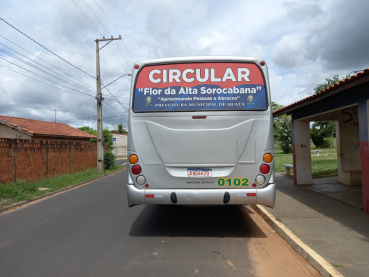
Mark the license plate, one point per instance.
(196, 172)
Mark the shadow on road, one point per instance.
(179, 221)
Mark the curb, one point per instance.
(313, 258)
(15, 205)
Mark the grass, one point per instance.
(19, 191)
(322, 166)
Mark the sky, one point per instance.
(302, 42)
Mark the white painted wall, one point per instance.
(302, 168)
(120, 150)
(8, 132)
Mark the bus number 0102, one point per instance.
(243, 182)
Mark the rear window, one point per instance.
(199, 86)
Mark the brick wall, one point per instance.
(32, 160)
(58, 156)
(6, 160)
(79, 160)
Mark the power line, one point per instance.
(116, 80)
(118, 59)
(102, 34)
(122, 53)
(110, 106)
(87, 17)
(115, 30)
(98, 30)
(39, 72)
(115, 98)
(47, 49)
(13, 66)
(40, 68)
(94, 117)
(126, 102)
(23, 75)
(96, 16)
(44, 61)
(10, 62)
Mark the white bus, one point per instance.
(200, 132)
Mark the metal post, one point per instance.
(100, 167)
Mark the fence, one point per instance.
(32, 160)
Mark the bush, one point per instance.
(109, 160)
(317, 138)
(283, 129)
(326, 143)
(286, 145)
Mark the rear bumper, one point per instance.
(264, 196)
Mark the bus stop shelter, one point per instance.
(346, 103)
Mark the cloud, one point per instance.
(300, 11)
(303, 42)
(289, 52)
(335, 37)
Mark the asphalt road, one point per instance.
(90, 231)
(121, 161)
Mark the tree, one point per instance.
(284, 132)
(121, 129)
(107, 136)
(275, 106)
(282, 129)
(326, 128)
(329, 82)
(88, 130)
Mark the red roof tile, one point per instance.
(45, 128)
(324, 91)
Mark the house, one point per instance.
(32, 129)
(120, 145)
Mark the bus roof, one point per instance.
(200, 59)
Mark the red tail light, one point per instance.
(136, 169)
(264, 169)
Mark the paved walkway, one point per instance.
(327, 217)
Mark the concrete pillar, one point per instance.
(364, 151)
(301, 152)
(348, 147)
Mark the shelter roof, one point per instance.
(357, 79)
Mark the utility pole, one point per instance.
(99, 98)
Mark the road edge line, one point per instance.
(313, 258)
(17, 204)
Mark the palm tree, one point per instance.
(121, 129)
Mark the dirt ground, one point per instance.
(272, 255)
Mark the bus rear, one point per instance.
(200, 132)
